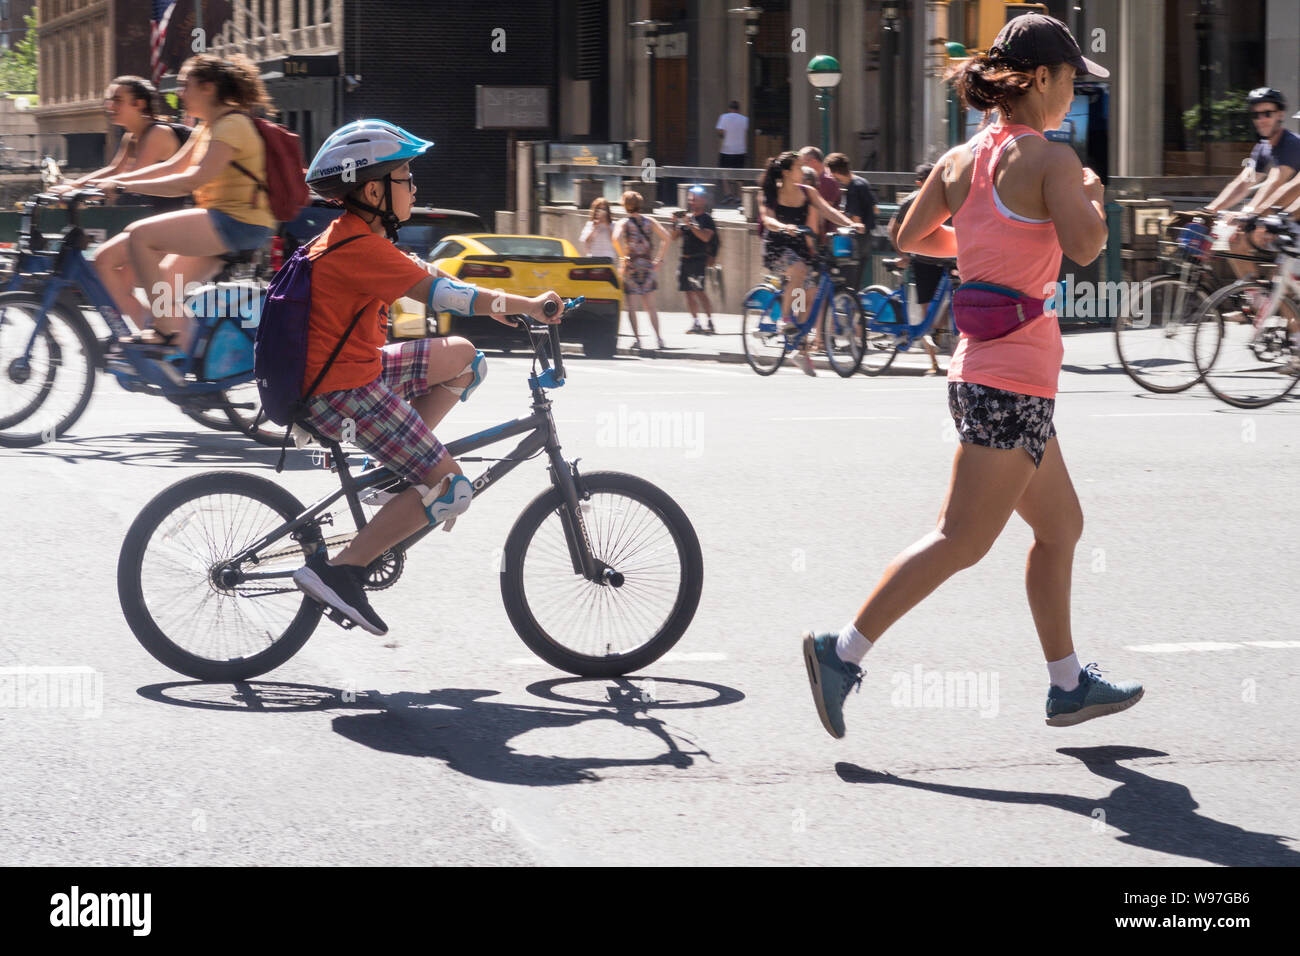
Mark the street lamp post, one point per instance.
(824, 74)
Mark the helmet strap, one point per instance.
(386, 215)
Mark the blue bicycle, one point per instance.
(888, 329)
(49, 353)
(835, 314)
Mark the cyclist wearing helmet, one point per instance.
(385, 399)
(1273, 162)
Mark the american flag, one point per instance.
(162, 15)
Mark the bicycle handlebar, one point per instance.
(552, 333)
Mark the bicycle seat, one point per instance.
(893, 265)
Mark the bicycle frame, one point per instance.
(540, 435)
(70, 270)
(910, 333)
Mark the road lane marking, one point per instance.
(1204, 646)
(841, 418)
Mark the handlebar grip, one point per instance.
(550, 308)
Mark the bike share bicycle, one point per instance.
(888, 329)
(601, 573)
(49, 353)
(768, 338)
(1244, 343)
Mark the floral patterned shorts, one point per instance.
(999, 419)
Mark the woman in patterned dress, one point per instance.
(634, 240)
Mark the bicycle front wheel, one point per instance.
(761, 336)
(611, 628)
(44, 390)
(1246, 361)
(846, 333)
(1154, 336)
(188, 606)
(880, 348)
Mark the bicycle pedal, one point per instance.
(338, 618)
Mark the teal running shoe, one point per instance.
(831, 679)
(1093, 697)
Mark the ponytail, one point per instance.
(990, 83)
(772, 176)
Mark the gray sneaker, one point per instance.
(1093, 697)
(831, 679)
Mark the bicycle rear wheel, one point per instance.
(1246, 362)
(1154, 340)
(880, 348)
(845, 332)
(44, 392)
(188, 606)
(243, 406)
(761, 336)
(606, 629)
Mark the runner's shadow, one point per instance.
(469, 733)
(169, 448)
(1155, 814)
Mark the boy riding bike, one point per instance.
(388, 397)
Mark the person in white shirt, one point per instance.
(597, 237)
(733, 130)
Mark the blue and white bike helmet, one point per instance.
(362, 151)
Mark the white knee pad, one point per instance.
(479, 368)
(446, 502)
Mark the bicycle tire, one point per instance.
(1166, 381)
(82, 337)
(755, 340)
(1211, 321)
(251, 422)
(515, 587)
(854, 333)
(880, 348)
(130, 587)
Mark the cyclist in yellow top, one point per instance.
(163, 253)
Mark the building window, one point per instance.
(311, 13)
(297, 13)
(325, 12)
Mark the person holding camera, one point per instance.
(696, 229)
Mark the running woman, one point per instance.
(1016, 201)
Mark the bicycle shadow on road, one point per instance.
(1155, 814)
(472, 734)
(167, 449)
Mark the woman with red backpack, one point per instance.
(224, 166)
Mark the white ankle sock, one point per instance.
(1065, 672)
(852, 646)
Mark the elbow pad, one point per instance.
(451, 295)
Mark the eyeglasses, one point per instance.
(409, 181)
(1262, 114)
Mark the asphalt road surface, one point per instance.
(448, 742)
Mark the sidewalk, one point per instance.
(1088, 347)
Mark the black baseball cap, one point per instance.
(1033, 39)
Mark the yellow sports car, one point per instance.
(522, 265)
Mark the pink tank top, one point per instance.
(1026, 256)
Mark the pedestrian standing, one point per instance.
(859, 205)
(817, 176)
(733, 131)
(696, 229)
(634, 242)
(597, 236)
(1001, 385)
(927, 273)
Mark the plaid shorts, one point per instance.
(386, 427)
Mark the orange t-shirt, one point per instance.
(367, 273)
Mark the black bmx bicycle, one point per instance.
(601, 574)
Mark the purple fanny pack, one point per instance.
(982, 310)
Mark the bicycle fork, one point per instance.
(565, 477)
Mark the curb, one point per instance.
(819, 362)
